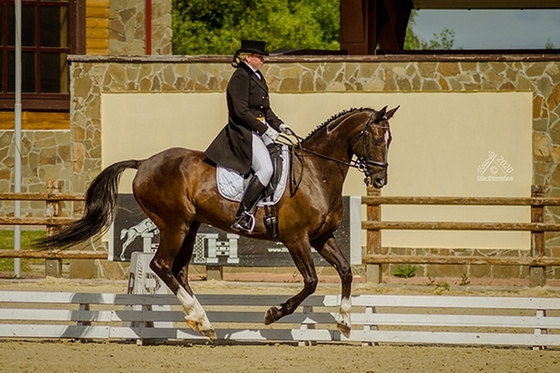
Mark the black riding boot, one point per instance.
(244, 221)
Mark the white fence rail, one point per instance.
(409, 319)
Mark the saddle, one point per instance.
(231, 185)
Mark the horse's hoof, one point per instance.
(270, 315)
(344, 329)
(210, 333)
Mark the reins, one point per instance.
(294, 185)
(360, 163)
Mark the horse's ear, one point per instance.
(380, 115)
(391, 112)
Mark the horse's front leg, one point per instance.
(333, 254)
(301, 254)
(165, 266)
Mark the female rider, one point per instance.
(241, 145)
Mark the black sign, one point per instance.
(133, 231)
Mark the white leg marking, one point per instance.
(345, 305)
(345, 308)
(193, 310)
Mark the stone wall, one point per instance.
(127, 27)
(45, 155)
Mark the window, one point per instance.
(47, 38)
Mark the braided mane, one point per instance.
(336, 117)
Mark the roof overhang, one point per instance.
(486, 4)
(367, 26)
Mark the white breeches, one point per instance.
(261, 163)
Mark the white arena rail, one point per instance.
(403, 319)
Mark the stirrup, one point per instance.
(239, 227)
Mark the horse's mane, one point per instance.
(336, 117)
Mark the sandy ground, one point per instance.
(71, 356)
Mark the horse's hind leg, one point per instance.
(183, 258)
(172, 243)
(301, 254)
(332, 254)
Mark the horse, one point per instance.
(177, 190)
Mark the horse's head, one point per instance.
(372, 146)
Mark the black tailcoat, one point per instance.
(247, 98)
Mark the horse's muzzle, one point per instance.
(378, 180)
(379, 183)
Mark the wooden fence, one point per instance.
(408, 319)
(536, 261)
(52, 220)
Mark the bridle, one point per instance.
(361, 163)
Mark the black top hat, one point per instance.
(252, 46)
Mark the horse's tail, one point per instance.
(101, 197)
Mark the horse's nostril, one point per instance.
(379, 182)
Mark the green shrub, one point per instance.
(27, 239)
(405, 272)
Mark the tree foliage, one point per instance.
(217, 26)
(442, 41)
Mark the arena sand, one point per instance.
(99, 357)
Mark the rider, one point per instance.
(241, 145)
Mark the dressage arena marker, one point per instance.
(401, 319)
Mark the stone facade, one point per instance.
(470, 272)
(127, 27)
(46, 155)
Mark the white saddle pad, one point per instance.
(231, 183)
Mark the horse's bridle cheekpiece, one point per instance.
(362, 161)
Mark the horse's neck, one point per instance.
(332, 152)
(333, 142)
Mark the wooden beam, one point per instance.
(391, 22)
(496, 201)
(365, 24)
(469, 226)
(486, 4)
(35, 221)
(53, 254)
(353, 26)
(467, 260)
(27, 196)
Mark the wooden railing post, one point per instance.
(536, 273)
(373, 243)
(53, 267)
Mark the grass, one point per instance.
(27, 239)
(405, 272)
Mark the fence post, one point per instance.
(373, 242)
(536, 273)
(214, 272)
(53, 267)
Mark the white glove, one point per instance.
(285, 129)
(272, 133)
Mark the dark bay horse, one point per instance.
(177, 190)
